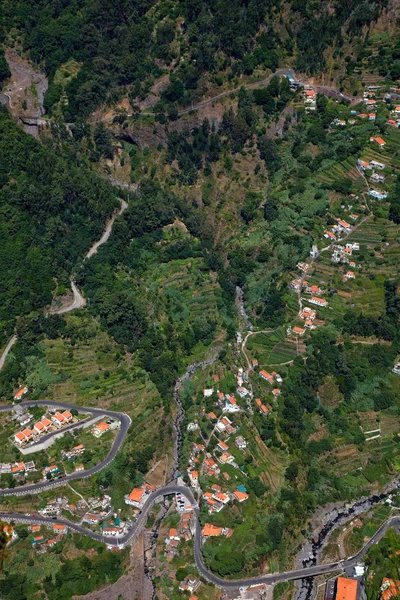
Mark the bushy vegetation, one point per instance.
(51, 212)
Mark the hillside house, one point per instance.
(378, 194)
(377, 178)
(378, 140)
(100, 429)
(20, 393)
(374, 164)
(208, 392)
(318, 301)
(23, 436)
(266, 376)
(298, 331)
(350, 275)
(371, 116)
(222, 446)
(240, 496)
(79, 468)
(308, 314)
(136, 498)
(240, 442)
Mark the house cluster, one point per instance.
(55, 421)
(337, 231)
(342, 254)
(297, 285)
(101, 428)
(40, 543)
(17, 468)
(100, 508)
(217, 499)
(394, 121)
(184, 531)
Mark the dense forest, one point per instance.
(127, 43)
(51, 211)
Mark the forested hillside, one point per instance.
(51, 211)
(89, 49)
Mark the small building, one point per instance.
(60, 528)
(374, 164)
(20, 393)
(240, 496)
(376, 178)
(210, 530)
(208, 392)
(378, 140)
(378, 194)
(350, 275)
(136, 498)
(99, 429)
(79, 468)
(266, 376)
(318, 301)
(346, 589)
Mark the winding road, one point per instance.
(204, 572)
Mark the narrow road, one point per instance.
(6, 350)
(107, 232)
(79, 300)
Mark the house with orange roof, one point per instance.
(371, 116)
(276, 392)
(20, 393)
(67, 416)
(390, 588)
(210, 530)
(58, 419)
(391, 122)
(38, 428)
(99, 429)
(240, 496)
(318, 301)
(329, 235)
(378, 140)
(221, 497)
(35, 528)
(346, 589)
(173, 534)
(20, 438)
(212, 416)
(350, 275)
(397, 110)
(266, 376)
(222, 446)
(60, 528)
(38, 539)
(136, 498)
(254, 363)
(258, 402)
(264, 410)
(79, 468)
(298, 330)
(363, 116)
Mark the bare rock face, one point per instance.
(142, 134)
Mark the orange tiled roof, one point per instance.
(346, 589)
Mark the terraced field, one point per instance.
(339, 171)
(94, 372)
(271, 349)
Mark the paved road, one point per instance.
(173, 489)
(119, 439)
